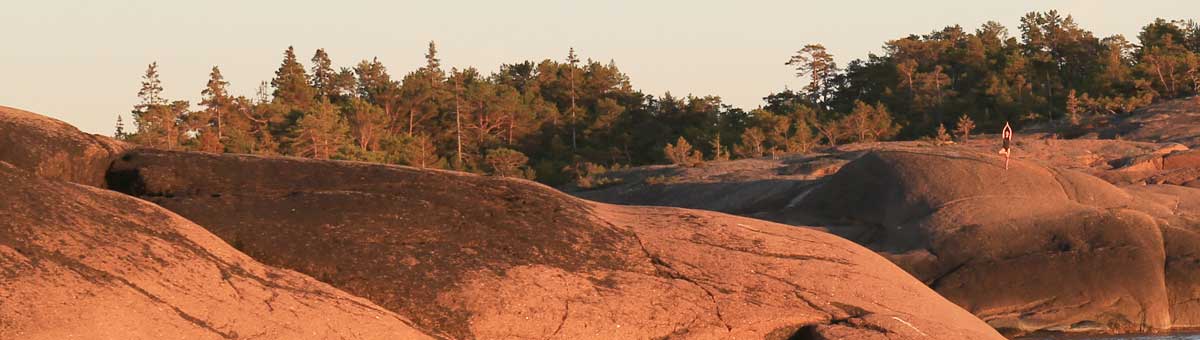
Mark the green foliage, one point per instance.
(320, 133)
(681, 153)
(291, 83)
(571, 117)
(964, 127)
(659, 179)
(119, 131)
(508, 163)
(752, 144)
(592, 176)
(942, 137)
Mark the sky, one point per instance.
(82, 61)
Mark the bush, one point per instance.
(508, 163)
(660, 179)
(682, 154)
(591, 176)
(964, 127)
(942, 137)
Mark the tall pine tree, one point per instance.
(324, 78)
(291, 83)
(218, 105)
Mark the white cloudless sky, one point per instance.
(81, 61)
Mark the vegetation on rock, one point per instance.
(563, 113)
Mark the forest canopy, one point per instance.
(560, 120)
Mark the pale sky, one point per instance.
(81, 61)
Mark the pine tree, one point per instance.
(803, 139)
(422, 90)
(151, 91)
(291, 83)
(719, 153)
(817, 64)
(507, 162)
(263, 94)
(433, 64)
(942, 137)
(572, 61)
(1072, 108)
(119, 131)
(964, 127)
(320, 133)
(156, 121)
(367, 123)
(681, 153)
(832, 130)
(324, 78)
(752, 143)
(458, 153)
(217, 106)
(344, 83)
(423, 154)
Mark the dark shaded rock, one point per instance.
(52, 149)
(1173, 121)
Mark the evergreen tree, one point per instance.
(376, 86)
(157, 121)
(291, 83)
(433, 65)
(368, 124)
(119, 131)
(324, 78)
(423, 153)
(218, 105)
(458, 140)
(681, 153)
(320, 133)
(814, 62)
(1072, 108)
(507, 162)
(941, 137)
(984, 76)
(965, 125)
(802, 139)
(151, 91)
(572, 62)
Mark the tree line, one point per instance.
(564, 120)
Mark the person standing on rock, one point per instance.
(1006, 148)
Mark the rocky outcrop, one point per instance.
(1019, 248)
(1041, 246)
(487, 258)
(52, 149)
(1178, 166)
(83, 263)
(1178, 215)
(1028, 248)
(759, 188)
(1171, 121)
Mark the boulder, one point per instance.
(1188, 159)
(1177, 211)
(484, 257)
(1028, 248)
(78, 262)
(53, 149)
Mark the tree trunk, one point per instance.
(458, 121)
